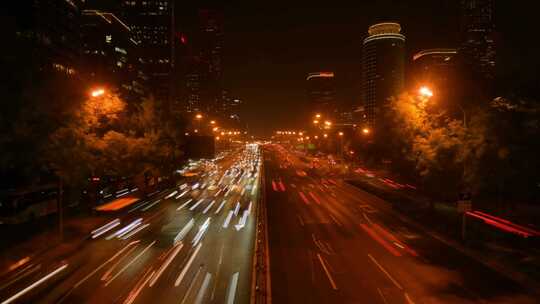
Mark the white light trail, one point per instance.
(196, 204)
(209, 206)
(220, 206)
(228, 219)
(103, 229)
(181, 194)
(34, 285)
(188, 264)
(130, 262)
(171, 194)
(201, 232)
(231, 294)
(237, 208)
(132, 233)
(180, 236)
(120, 233)
(185, 204)
(165, 264)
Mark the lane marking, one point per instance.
(385, 272)
(232, 288)
(188, 264)
(129, 264)
(328, 275)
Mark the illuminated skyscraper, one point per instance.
(321, 94)
(477, 35)
(151, 23)
(383, 62)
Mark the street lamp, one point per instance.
(318, 115)
(365, 131)
(97, 92)
(425, 92)
(315, 122)
(325, 135)
(340, 133)
(198, 116)
(212, 122)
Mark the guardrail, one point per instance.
(261, 287)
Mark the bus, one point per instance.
(20, 206)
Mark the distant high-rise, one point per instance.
(151, 24)
(321, 94)
(210, 40)
(383, 62)
(477, 36)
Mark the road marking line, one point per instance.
(35, 284)
(232, 289)
(188, 264)
(328, 275)
(385, 272)
(129, 264)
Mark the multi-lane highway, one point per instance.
(332, 243)
(190, 244)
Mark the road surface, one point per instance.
(184, 245)
(333, 243)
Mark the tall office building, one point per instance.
(383, 62)
(210, 54)
(322, 94)
(151, 23)
(109, 54)
(477, 36)
(53, 27)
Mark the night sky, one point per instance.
(270, 49)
